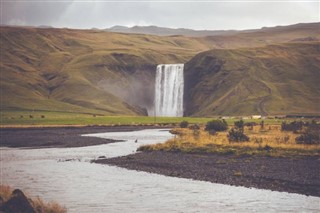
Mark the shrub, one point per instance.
(212, 132)
(196, 134)
(237, 135)
(293, 126)
(194, 127)
(311, 135)
(239, 124)
(250, 125)
(216, 126)
(184, 124)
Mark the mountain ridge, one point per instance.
(167, 31)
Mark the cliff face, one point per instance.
(275, 79)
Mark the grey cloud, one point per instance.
(32, 13)
(195, 15)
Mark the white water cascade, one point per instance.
(169, 90)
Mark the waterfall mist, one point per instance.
(169, 90)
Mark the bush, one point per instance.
(194, 127)
(250, 125)
(212, 132)
(239, 124)
(311, 135)
(293, 126)
(216, 126)
(237, 135)
(184, 124)
(196, 134)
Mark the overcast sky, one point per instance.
(206, 14)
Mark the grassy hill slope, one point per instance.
(84, 70)
(309, 32)
(97, 72)
(275, 79)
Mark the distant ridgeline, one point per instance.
(169, 87)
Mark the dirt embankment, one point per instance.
(295, 175)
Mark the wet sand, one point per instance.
(294, 175)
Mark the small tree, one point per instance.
(184, 124)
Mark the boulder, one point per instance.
(17, 203)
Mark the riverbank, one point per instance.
(17, 201)
(60, 137)
(294, 175)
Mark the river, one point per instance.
(66, 175)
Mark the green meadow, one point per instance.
(26, 118)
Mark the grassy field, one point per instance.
(64, 118)
(23, 118)
(269, 141)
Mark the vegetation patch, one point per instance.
(270, 142)
(16, 201)
(216, 126)
(184, 124)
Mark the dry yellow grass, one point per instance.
(5, 192)
(37, 203)
(281, 143)
(47, 207)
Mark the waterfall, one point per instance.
(169, 90)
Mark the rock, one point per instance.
(17, 203)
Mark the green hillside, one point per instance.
(84, 70)
(275, 79)
(104, 73)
